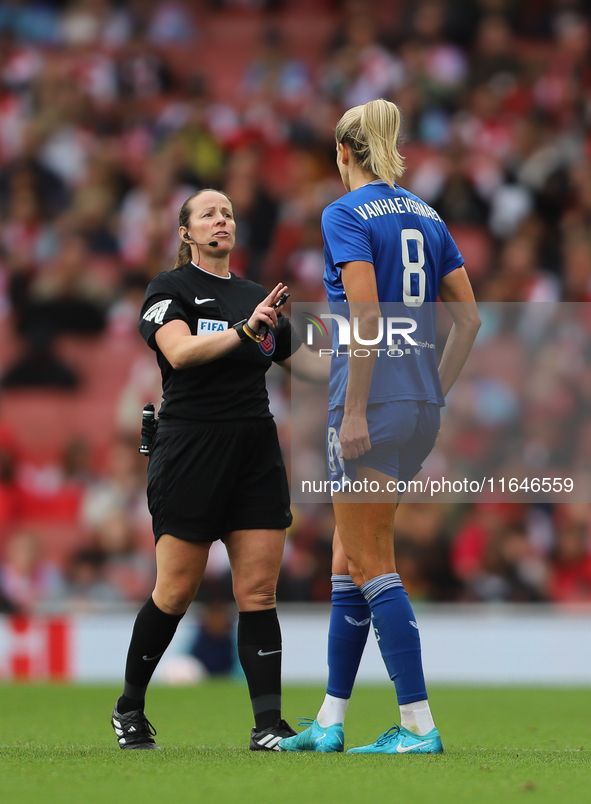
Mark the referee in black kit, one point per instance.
(216, 470)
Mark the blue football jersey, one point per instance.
(411, 250)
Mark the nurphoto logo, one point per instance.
(396, 328)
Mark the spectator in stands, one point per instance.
(26, 232)
(26, 170)
(48, 491)
(119, 490)
(495, 55)
(460, 199)
(142, 73)
(423, 552)
(93, 220)
(86, 586)
(496, 558)
(27, 579)
(577, 268)
(508, 572)
(147, 215)
(67, 297)
(77, 462)
(255, 209)
(215, 644)
(570, 568)
(39, 366)
(305, 265)
(274, 75)
(520, 273)
(125, 567)
(373, 70)
(123, 313)
(95, 23)
(437, 65)
(10, 501)
(172, 23)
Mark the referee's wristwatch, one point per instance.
(239, 327)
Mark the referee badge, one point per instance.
(267, 346)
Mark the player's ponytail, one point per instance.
(371, 131)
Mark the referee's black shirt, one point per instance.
(231, 387)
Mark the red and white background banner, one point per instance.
(36, 648)
(466, 644)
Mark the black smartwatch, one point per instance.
(239, 327)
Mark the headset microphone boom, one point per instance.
(190, 239)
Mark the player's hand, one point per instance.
(354, 436)
(264, 313)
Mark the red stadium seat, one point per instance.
(44, 421)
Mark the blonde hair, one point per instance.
(371, 131)
(184, 253)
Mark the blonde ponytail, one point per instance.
(371, 131)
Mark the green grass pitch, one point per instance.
(501, 746)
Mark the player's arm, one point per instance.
(306, 364)
(183, 350)
(359, 281)
(456, 293)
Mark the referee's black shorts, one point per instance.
(206, 480)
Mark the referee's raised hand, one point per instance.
(264, 313)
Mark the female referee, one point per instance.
(382, 245)
(215, 470)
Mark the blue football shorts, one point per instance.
(402, 434)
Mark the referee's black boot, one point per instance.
(268, 739)
(133, 730)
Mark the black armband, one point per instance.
(239, 327)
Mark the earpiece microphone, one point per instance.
(190, 239)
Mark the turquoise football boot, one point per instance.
(315, 738)
(401, 741)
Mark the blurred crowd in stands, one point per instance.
(112, 113)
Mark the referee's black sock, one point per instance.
(259, 651)
(152, 634)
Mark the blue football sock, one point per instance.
(398, 635)
(347, 635)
